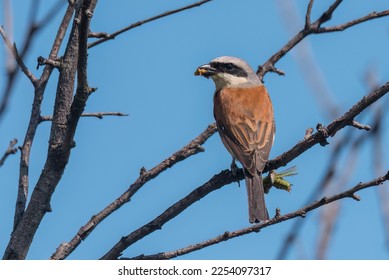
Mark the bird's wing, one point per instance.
(246, 124)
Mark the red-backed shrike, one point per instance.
(244, 116)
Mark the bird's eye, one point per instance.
(228, 66)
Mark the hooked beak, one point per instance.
(205, 70)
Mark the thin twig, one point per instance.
(11, 150)
(194, 147)
(18, 58)
(139, 23)
(308, 14)
(306, 60)
(33, 28)
(99, 115)
(327, 15)
(313, 28)
(351, 23)
(350, 193)
(360, 126)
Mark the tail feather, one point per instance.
(256, 198)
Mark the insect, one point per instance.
(277, 180)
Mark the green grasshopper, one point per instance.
(277, 179)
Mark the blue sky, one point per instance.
(148, 73)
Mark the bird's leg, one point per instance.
(234, 170)
(272, 175)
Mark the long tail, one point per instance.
(256, 198)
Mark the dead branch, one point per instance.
(25, 149)
(194, 147)
(330, 215)
(113, 35)
(11, 150)
(34, 27)
(18, 58)
(67, 112)
(313, 28)
(305, 59)
(99, 115)
(350, 193)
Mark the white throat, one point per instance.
(222, 80)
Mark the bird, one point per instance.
(245, 122)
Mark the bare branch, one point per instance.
(139, 23)
(98, 35)
(306, 61)
(194, 147)
(327, 15)
(226, 177)
(216, 182)
(308, 14)
(17, 57)
(99, 115)
(33, 28)
(327, 177)
(378, 160)
(346, 25)
(25, 149)
(11, 150)
(330, 214)
(330, 130)
(360, 126)
(313, 28)
(350, 193)
(62, 131)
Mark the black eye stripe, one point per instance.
(229, 68)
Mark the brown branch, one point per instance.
(139, 23)
(360, 126)
(226, 177)
(327, 15)
(330, 215)
(327, 177)
(378, 163)
(98, 35)
(62, 132)
(216, 182)
(351, 23)
(99, 115)
(313, 28)
(25, 149)
(350, 193)
(34, 27)
(308, 14)
(18, 58)
(194, 147)
(11, 150)
(330, 130)
(306, 61)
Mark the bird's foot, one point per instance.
(234, 171)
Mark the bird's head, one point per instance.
(227, 71)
